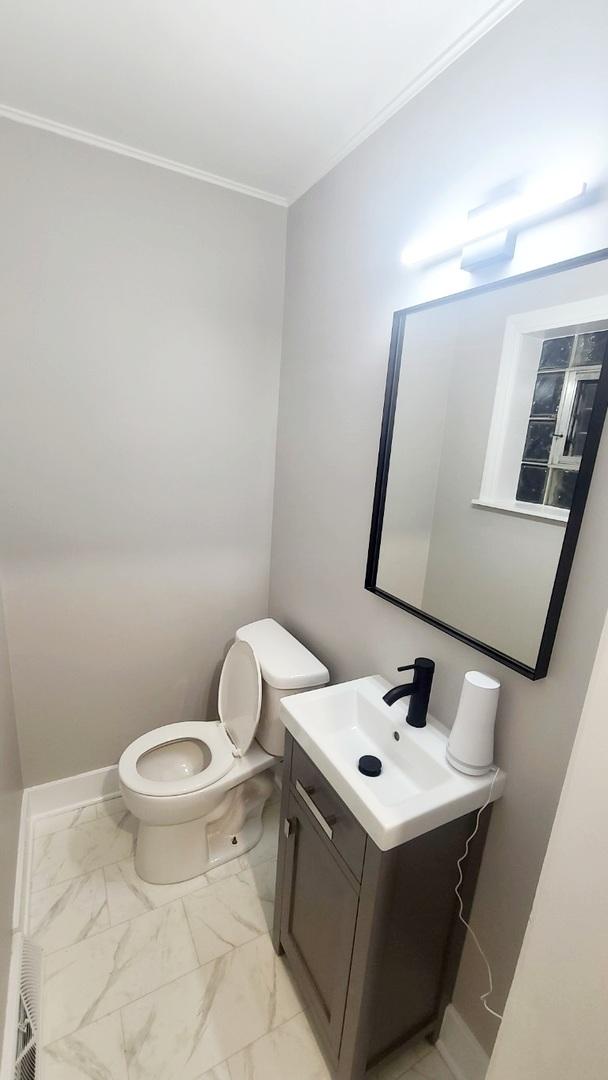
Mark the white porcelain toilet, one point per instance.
(198, 788)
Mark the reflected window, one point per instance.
(556, 353)
(562, 402)
(532, 482)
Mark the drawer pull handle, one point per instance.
(325, 823)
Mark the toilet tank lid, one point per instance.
(284, 662)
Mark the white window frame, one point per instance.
(564, 416)
(523, 339)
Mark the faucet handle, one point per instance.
(421, 662)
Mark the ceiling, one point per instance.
(260, 95)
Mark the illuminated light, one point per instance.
(537, 199)
(435, 247)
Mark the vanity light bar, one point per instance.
(538, 199)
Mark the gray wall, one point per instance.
(532, 94)
(416, 454)
(141, 323)
(559, 989)
(10, 806)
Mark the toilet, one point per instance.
(198, 789)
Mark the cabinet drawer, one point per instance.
(336, 820)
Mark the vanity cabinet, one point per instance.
(371, 938)
(319, 919)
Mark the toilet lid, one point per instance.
(240, 695)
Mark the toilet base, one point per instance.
(166, 854)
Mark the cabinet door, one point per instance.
(318, 917)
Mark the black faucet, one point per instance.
(419, 690)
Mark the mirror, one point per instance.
(494, 407)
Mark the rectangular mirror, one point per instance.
(493, 413)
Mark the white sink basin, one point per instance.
(417, 789)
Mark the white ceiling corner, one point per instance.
(263, 98)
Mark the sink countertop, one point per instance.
(418, 790)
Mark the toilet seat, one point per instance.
(240, 698)
(210, 733)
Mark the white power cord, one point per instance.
(490, 989)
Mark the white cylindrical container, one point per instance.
(470, 747)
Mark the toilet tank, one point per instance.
(287, 667)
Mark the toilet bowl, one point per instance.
(198, 788)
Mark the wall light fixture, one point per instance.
(489, 231)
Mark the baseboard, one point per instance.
(22, 864)
(459, 1048)
(73, 791)
(67, 794)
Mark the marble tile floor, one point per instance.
(154, 982)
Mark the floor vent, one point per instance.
(28, 1026)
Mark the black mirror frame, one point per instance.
(579, 501)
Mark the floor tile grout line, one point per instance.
(95, 933)
(67, 881)
(118, 1009)
(75, 824)
(265, 1035)
(413, 1068)
(176, 900)
(231, 949)
(115, 861)
(170, 982)
(148, 911)
(67, 828)
(111, 1012)
(415, 1073)
(105, 866)
(155, 907)
(33, 889)
(110, 926)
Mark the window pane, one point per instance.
(561, 487)
(590, 349)
(581, 414)
(531, 487)
(538, 440)
(547, 392)
(556, 353)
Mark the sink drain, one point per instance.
(370, 765)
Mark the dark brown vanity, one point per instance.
(371, 937)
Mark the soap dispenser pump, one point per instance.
(470, 746)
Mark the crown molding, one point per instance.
(18, 116)
(470, 37)
(482, 26)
